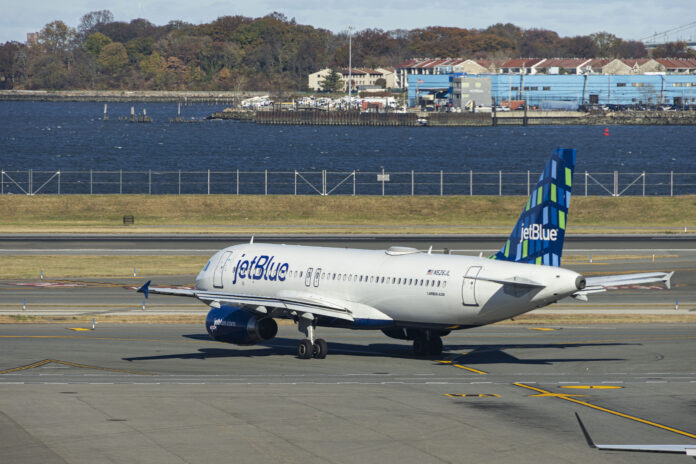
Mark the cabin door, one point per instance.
(469, 286)
(220, 268)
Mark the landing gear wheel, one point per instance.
(420, 346)
(304, 349)
(435, 346)
(320, 348)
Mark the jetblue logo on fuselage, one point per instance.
(537, 232)
(260, 267)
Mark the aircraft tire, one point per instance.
(420, 346)
(434, 346)
(320, 348)
(304, 349)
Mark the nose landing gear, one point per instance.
(309, 347)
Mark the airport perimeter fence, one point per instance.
(235, 182)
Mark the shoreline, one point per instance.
(413, 118)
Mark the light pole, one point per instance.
(350, 65)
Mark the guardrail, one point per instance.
(325, 182)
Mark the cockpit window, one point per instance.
(206, 266)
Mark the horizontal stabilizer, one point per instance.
(145, 289)
(603, 283)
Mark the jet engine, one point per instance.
(234, 325)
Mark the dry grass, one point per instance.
(525, 319)
(86, 321)
(196, 213)
(60, 266)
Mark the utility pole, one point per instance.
(350, 66)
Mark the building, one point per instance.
(521, 65)
(678, 65)
(359, 77)
(427, 67)
(547, 91)
(469, 92)
(562, 66)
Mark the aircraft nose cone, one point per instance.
(580, 282)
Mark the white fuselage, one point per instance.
(404, 286)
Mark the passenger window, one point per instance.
(438, 283)
(350, 278)
(410, 281)
(300, 274)
(360, 278)
(381, 281)
(444, 283)
(372, 279)
(421, 282)
(399, 282)
(334, 276)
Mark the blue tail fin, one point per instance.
(538, 235)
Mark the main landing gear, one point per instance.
(310, 347)
(427, 345)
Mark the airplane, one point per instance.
(405, 293)
(688, 450)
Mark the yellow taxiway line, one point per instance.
(607, 410)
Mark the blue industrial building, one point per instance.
(569, 91)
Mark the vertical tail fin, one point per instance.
(538, 235)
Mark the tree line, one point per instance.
(266, 53)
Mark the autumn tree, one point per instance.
(579, 46)
(56, 37)
(9, 64)
(95, 42)
(673, 50)
(630, 49)
(605, 43)
(113, 57)
(540, 43)
(91, 21)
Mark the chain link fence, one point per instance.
(94, 182)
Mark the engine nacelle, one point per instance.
(233, 325)
(402, 333)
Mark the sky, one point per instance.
(630, 20)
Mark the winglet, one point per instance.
(145, 289)
(590, 443)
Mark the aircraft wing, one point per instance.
(297, 302)
(604, 283)
(689, 450)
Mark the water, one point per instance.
(72, 136)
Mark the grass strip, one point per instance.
(83, 266)
(340, 214)
(525, 319)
